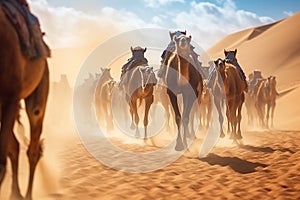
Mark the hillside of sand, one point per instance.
(274, 50)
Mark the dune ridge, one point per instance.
(273, 49)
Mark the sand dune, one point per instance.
(271, 48)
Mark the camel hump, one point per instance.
(28, 29)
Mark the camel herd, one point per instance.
(181, 74)
(180, 86)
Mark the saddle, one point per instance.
(28, 29)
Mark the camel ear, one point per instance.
(108, 69)
(235, 51)
(145, 49)
(190, 38)
(131, 49)
(184, 32)
(171, 35)
(216, 62)
(225, 52)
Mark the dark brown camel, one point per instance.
(138, 84)
(266, 96)
(20, 78)
(103, 98)
(234, 90)
(181, 77)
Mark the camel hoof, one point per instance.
(16, 196)
(179, 147)
(239, 137)
(132, 126)
(222, 135)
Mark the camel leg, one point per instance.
(110, 124)
(173, 98)
(260, 113)
(268, 115)
(13, 154)
(193, 115)
(221, 117)
(208, 114)
(135, 116)
(231, 116)
(188, 101)
(239, 118)
(149, 101)
(35, 109)
(9, 112)
(132, 126)
(165, 104)
(272, 113)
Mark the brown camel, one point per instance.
(255, 79)
(138, 84)
(266, 96)
(103, 98)
(205, 107)
(234, 90)
(230, 57)
(20, 78)
(161, 97)
(218, 94)
(181, 77)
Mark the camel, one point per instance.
(218, 94)
(103, 98)
(161, 97)
(255, 79)
(181, 77)
(138, 84)
(230, 57)
(234, 90)
(205, 107)
(20, 78)
(266, 96)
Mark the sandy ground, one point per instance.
(267, 166)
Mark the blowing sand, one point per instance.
(266, 166)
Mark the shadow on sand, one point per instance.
(235, 163)
(265, 149)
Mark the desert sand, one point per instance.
(266, 166)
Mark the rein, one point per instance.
(144, 85)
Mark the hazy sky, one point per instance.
(78, 23)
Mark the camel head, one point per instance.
(106, 73)
(138, 54)
(272, 81)
(220, 64)
(230, 56)
(177, 33)
(183, 45)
